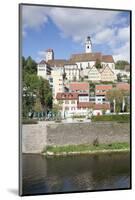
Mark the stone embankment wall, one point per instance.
(33, 138)
(36, 137)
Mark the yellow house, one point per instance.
(94, 74)
(107, 74)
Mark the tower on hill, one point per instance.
(88, 45)
(49, 54)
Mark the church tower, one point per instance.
(49, 54)
(88, 45)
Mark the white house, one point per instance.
(94, 74)
(72, 72)
(43, 69)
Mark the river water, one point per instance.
(75, 173)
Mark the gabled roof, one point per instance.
(85, 57)
(42, 62)
(57, 62)
(67, 96)
(98, 70)
(107, 58)
(69, 62)
(91, 57)
(106, 66)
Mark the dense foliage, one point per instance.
(36, 91)
(120, 64)
(117, 118)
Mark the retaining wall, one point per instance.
(36, 137)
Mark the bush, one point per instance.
(96, 142)
(117, 118)
(29, 121)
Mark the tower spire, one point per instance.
(88, 45)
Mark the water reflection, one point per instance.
(75, 173)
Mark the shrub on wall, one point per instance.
(117, 118)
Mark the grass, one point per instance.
(85, 148)
(118, 118)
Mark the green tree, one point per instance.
(29, 87)
(120, 64)
(98, 64)
(116, 95)
(36, 91)
(44, 94)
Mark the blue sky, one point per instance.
(65, 29)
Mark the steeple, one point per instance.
(49, 54)
(88, 45)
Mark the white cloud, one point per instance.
(41, 55)
(123, 34)
(122, 53)
(104, 36)
(78, 23)
(34, 17)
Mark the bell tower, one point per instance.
(49, 54)
(88, 45)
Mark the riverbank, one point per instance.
(85, 149)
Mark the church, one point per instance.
(81, 66)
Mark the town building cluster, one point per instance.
(71, 81)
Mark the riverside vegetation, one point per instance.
(86, 148)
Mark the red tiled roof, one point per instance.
(105, 106)
(93, 106)
(107, 58)
(123, 86)
(57, 62)
(85, 105)
(103, 87)
(91, 57)
(85, 57)
(67, 96)
(77, 86)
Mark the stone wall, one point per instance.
(33, 138)
(36, 137)
(86, 133)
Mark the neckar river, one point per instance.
(75, 173)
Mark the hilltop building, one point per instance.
(71, 75)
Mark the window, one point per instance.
(66, 102)
(73, 102)
(66, 108)
(72, 108)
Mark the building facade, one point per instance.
(43, 69)
(107, 74)
(72, 72)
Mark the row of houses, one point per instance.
(69, 80)
(77, 100)
(73, 73)
(80, 66)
